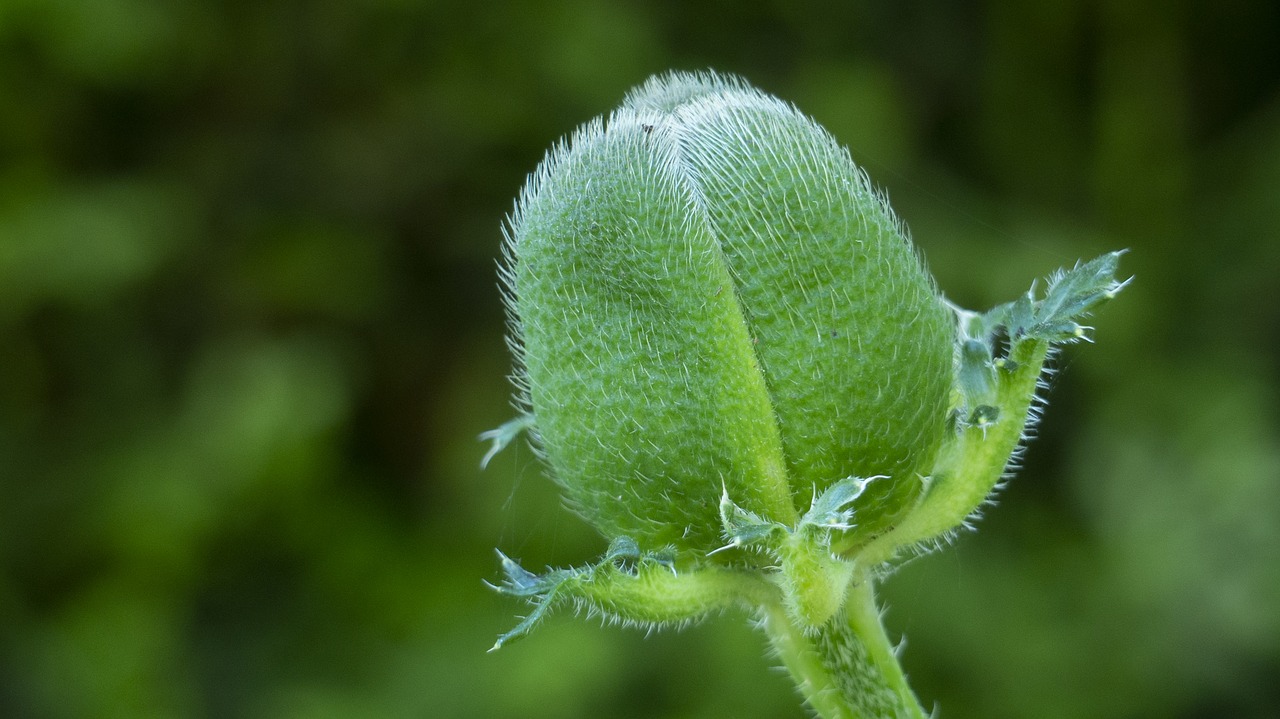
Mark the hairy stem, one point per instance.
(847, 669)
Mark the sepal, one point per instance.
(833, 509)
(830, 510)
(1000, 356)
(630, 586)
(1071, 295)
(504, 435)
(744, 528)
(814, 580)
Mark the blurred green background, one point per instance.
(249, 331)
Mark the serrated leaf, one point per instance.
(1070, 296)
(541, 589)
(503, 436)
(520, 582)
(743, 527)
(831, 509)
(1074, 294)
(627, 584)
(1078, 290)
(540, 608)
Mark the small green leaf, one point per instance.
(1021, 314)
(520, 582)
(976, 375)
(503, 436)
(743, 528)
(631, 587)
(1071, 295)
(832, 509)
(1077, 292)
(1000, 359)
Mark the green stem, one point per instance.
(846, 669)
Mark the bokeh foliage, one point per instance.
(249, 329)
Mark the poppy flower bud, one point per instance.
(709, 300)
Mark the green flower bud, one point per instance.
(710, 300)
